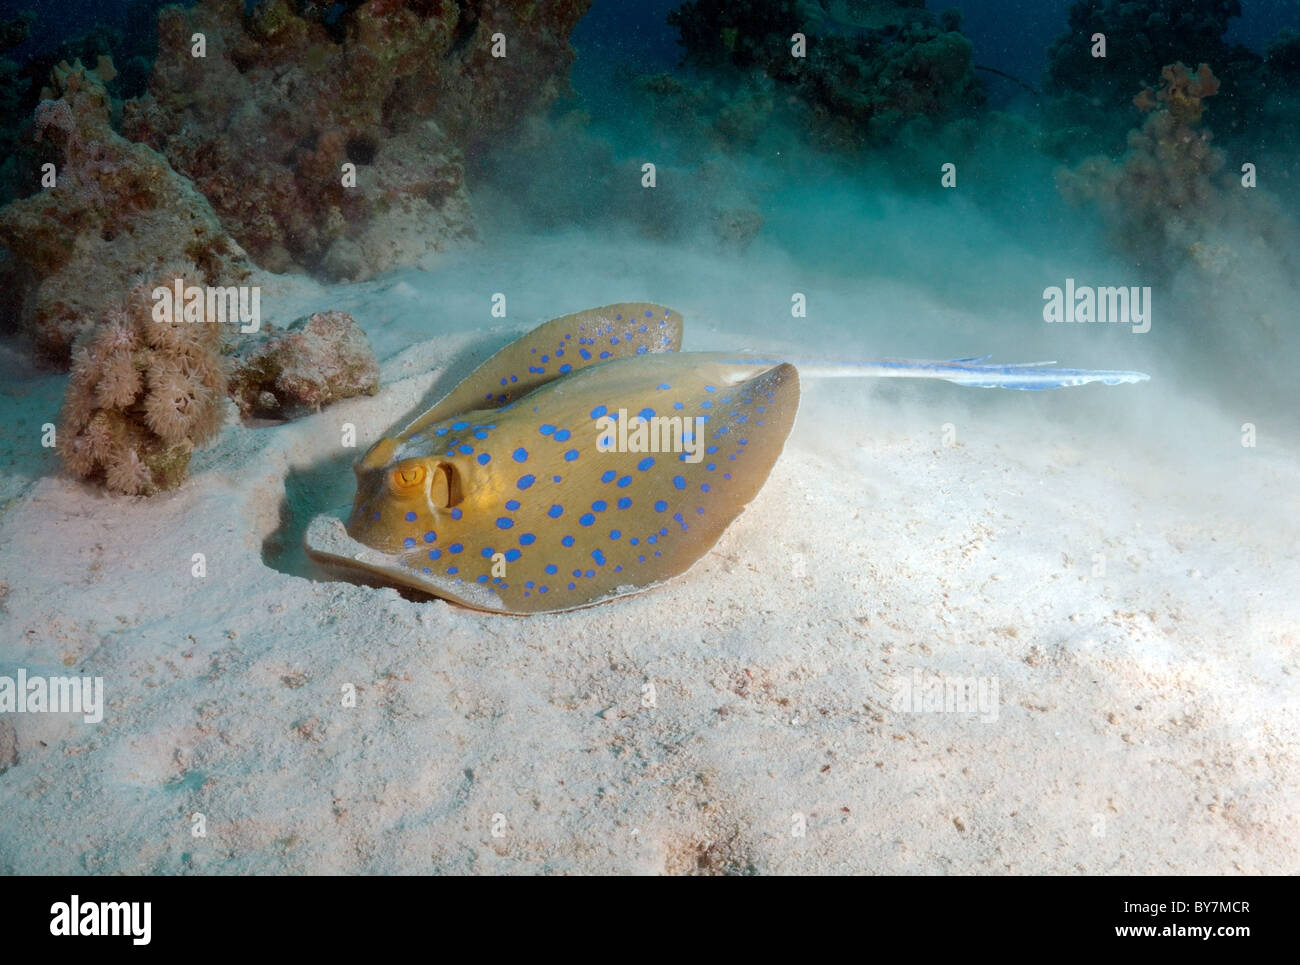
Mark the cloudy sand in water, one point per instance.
(942, 628)
(1136, 630)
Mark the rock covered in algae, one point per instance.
(116, 209)
(314, 361)
(287, 95)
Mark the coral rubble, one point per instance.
(116, 209)
(312, 362)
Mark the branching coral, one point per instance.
(1162, 199)
(116, 210)
(1159, 198)
(142, 395)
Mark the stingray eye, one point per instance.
(445, 489)
(404, 480)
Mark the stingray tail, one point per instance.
(978, 372)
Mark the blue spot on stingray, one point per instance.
(486, 552)
(410, 517)
(483, 578)
(458, 426)
(652, 538)
(577, 573)
(546, 429)
(600, 506)
(484, 458)
(586, 519)
(375, 517)
(480, 434)
(660, 506)
(567, 541)
(599, 411)
(615, 534)
(526, 480)
(520, 454)
(571, 455)
(608, 475)
(565, 368)
(624, 503)
(563, 435)
(625, 482)
(710, 449)
(647, 413)
(430, 536)
(634, 541)
(455, 548)
(706, 405)
(641, 558)
(512, 555)
(711, 466)
(452, 570)
(408, 542)
(606, 355)
(512, 504)
(551, 569)
(678, 405)
(556, 478)
(528, 539)
(646, 463)
(640, 350)
(441, 431)
(591, 574)
(572, 585)
(555, 512)
(679, 482)
(704, 488)
(546, 358)
(648, 313)
(457, 513)
(435, 553)
(542, 589)
(710, 388)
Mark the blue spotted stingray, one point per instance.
(590, 459)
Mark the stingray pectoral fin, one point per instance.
(327, 541)
(558, 348)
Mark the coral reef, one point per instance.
(117, 210)
(142, 395)
(871, 65)
(1159, 198)
(1162, 200)
(286, 95)
(312, 362)
(1086, 93)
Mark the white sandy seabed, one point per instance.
(1112, 559)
